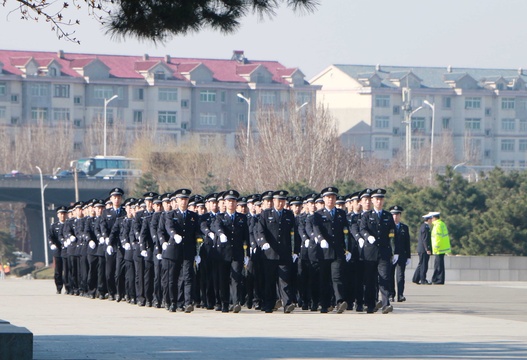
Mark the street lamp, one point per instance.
(42, 188)
(301, 106)
(73, 165)
(248, 101)
(106, 102)
(433, 107)
(408, 123)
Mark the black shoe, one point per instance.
(224, 309)
(218, 307)
(249, 304)
(172, 308)
(59, 291)
(305, 307)
(359, 308)
(387, 309)
(148, 304)
(425, 282)
(278, 304)
(343, 306)
(257, 307)
(378, 305)
(189, 308)
(370, 310)
(236, 308)
(141, 303)
(324, 310)
(314, 308)
(391, 299)
(401, 299)
(289, 308)
(111, 297)
(118, 298)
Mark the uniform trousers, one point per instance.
(158, 289)
(397, 278)
(92, 274)
(57, 274)
(439, 270)
(421, 269)
(276, 273)
(331, 282)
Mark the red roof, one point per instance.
(127, 67)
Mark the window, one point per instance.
(523, 125)
(38, 113)
(102, 92)
(77, 146)
(223, 96)
(240, 100)
(472, 103)
(167, 94)
(3, 88)
(487, 154)
(522, 146)
(418, 123)
(417, 143)
(396, 110)
(160, 75)
(14, 120)
(241, 119)
(205, 140)
(522, 164)
(446, 123)
(184, 104)
(382, 122)
(207, 119)
(77, 122)
(14, 98)
(39, 90)
(138, 116)
(446, 102)
(507, 163)
(139, 94)
(2, 113)
(207, 96)
(98, 114)
(488, 111)
(473, 124)
(61, 114)
(507, 103)
(382, 101)
(382, 143)
(61, 91)
(166, 117)
(508, 124)
(507, 145)
(77, 100)
(267, 98)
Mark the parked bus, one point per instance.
(94, 165)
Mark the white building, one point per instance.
(483, 110)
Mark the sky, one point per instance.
(459, 33)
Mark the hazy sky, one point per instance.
(463, 33)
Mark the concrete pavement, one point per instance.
(480, 320)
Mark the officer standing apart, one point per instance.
(56, 240)
(378, 228)
(401, 248)
(440, 247)
(276, 227)
(424, 250)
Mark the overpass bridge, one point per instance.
(56, 193)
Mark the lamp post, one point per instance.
(433, 107)
(106, 102)
(408, 123)
(42, 188)
(73, 165)
(301, 106)
(248, 101)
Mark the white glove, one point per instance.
(348, 256)
(91, 244)
(306, 243)
(197, 259)
(324, 244)
(164, 246)
(395, 258)
(223, 238)
(101, 240)
(211, 235)
(361, 243)
(159, 257)
(371, 239)
(67, 243)
(266, 246)
(245, 260)
(107, 240)
(72, 238)
(178, 239)
(254, 250)
(109, 249)
(144, 253)
(53, 247)
(127, 246)
(408, 261)
(295, 257)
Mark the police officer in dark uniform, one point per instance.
(401, 253)
(91, 249)
(276, 227)
(102, 289)
(108, 218)
(55, 241)
(146, 244)
(377, 228)
(329, 226)
(357, 255)
(162, 236)
(208, 253)
(180, 251)
(424, 250)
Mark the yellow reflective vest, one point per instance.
(440, 238)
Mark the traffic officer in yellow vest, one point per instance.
(440, 247)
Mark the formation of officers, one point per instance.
(320, 252)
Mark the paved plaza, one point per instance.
(460, 320)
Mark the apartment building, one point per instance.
(175, 96)
(484, 111)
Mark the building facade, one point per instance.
(483, 111)
(176, 96)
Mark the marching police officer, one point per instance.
(401, 248)
(55, 241)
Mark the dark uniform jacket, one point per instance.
(147, 238)
(89, 235)
(188, 228)
(207, 247)
(280, 232)
(68, 231)
(120, 235)
(55, 237)
(402, 243)
(237, 233)
(424, 241)
(324, 227)
(380, 229)
(108, 218)
(301, 225)
(353, 240)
